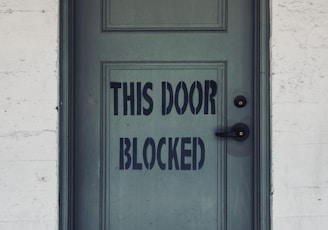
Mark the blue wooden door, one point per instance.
(158, 88)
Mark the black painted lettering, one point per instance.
(194, 153)
(149, 143)
(161, 142)
(128, 98)
(167, 87)
(173, 153)
(210, 93)
(135, 164)
(198, 85)
(190, 157)
(213, 87)
(182, 109)
(147, 97)
(125, 145)
(139, 94)
(202, 153)
(207, 89)
(115, 86)
(185, 152)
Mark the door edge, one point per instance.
(66, 111)
(262, 125)
(262, 122)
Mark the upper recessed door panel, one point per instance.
(164, 15)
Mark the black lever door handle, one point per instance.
(239, 132)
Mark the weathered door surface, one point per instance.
(154, 81)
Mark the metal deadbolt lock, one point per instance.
(239, 132)
(240, 101)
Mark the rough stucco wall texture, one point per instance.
(28, 127)
(299, 68)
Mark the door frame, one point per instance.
(262, 123)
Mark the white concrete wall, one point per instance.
(28, 128)
(300, 114)
(28, 115)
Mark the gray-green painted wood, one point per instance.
(188, 192)
(87, 205)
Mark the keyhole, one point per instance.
(240, 101)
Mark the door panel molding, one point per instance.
(217, 68)
(262, 122)
(261, 118)
(214, 11)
